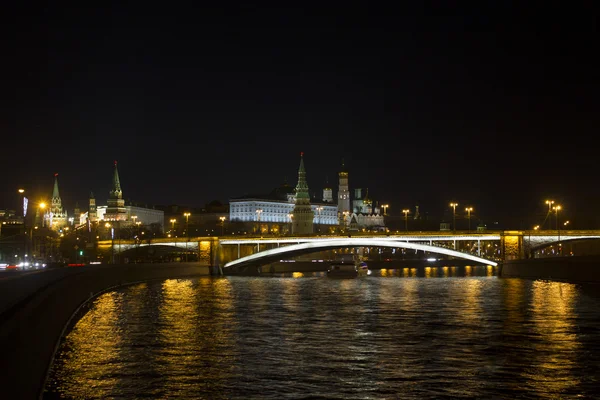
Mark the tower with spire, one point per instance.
(115, 208)
(56, 217)
(343, 192)
(303, 214)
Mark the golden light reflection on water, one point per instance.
(191, 334)
(471, 312)
(298, 275)
(91, 359)
(552, 306)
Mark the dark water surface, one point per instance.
(397, 334)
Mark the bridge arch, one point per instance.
(311, 247)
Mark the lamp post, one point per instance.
(112, 245)
(319, 209)
(222, 218)
(549, 202)
(172, 221)
(453, 205)
(468, 210)
(187, 231)
(385, 207)
(406, 219)
(557, 208)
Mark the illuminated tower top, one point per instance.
(116, 191)
(56, 200)
(303, 213)
(115, 209)
(343, 191)
(302, 186)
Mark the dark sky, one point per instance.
(493, 106)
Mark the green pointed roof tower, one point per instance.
(303, 213)
(115, 209)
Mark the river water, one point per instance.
(398, 334)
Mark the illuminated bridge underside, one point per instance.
(189, 246)
(314, 246)
(542, 241)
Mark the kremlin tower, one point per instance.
(56, 217)
(303, 214)
(343, 192)
(115, 210)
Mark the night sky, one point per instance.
(495, 107)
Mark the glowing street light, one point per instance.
(172, 221)
(453, 205)
(222, 218)
(187, 231)
(385, 207)
(549, 202)
(406, 219)
(468, 210)
(557, 208)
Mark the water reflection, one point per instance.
(555, 350)
(89, 361)
(431, 337)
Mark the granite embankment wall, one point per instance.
(577, 269)
(36, 307)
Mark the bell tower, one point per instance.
(343, 192)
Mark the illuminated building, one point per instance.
(302, 222)
(56, 217)
(115, 210)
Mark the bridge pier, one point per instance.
(512, 245)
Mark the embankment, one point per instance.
(35, 308)
(576, 269)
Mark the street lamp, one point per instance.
(385, 207)
(453, 205)
(549, 202)
(406, 219)
(290, 217)
(319, 209)
(557, 208)
(222, 218)
(187, 231)
(112, 245)
(468, 210)
(172, 221)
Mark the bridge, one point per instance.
(482, 247)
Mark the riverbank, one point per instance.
(576, 269)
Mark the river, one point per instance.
(441, 333)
